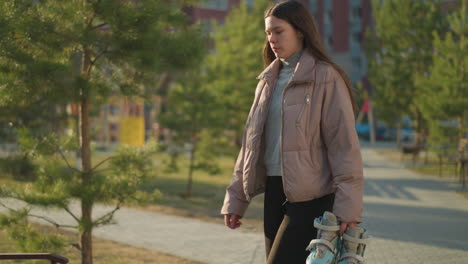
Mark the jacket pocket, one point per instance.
(301, 112)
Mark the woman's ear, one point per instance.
(300, 35)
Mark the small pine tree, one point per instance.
(233, 68)
(79, 52)
(446, 96)
(400, 47)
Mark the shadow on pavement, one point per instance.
(397, 188)
(439, 227)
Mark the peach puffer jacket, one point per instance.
(319, 145)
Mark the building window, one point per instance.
(215, 4)
(114, 109)
(113, 126)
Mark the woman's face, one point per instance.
(283, 38)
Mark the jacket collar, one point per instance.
(302, 72)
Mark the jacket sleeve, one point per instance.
(235, 201)
(342, 143)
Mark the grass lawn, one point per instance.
(105, 252)
(207, 193)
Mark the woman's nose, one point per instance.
(272, 39)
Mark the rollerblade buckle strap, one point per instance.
(355, 240)
(324, 242)
(318, 225)
(351, 255)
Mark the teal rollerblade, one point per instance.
(354, 243)
(324, 249)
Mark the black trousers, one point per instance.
(289, 227)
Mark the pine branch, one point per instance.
(51, 221)
(98, 26)
(9, 208)
(66, 161)
(40, 217)
(71, 213)
(107, 217)
(91, 19)
(100, 163)
(93, 61)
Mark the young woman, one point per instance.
(300, 146)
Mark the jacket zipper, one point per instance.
(281, 139)
(281, 134)
(306, 102)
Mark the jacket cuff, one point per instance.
(232, 205)
(348, 205)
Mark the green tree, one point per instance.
(27, 238)
(193, 118)
(233, 68)
(400, 47)
(446, 81)
(79, 51)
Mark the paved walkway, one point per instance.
(412, 219)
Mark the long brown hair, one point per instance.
(301, 20)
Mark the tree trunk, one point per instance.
(79, 162)
(461, 126)
(190, 175)
(418, 128)
(86, 233)
(372, 126)
(417, 135)
(398, 135)
(86, 202)
(163, 91)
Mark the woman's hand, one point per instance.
(232, 221)
(345, 225)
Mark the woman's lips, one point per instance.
(275, 49)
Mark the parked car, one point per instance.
(363, 131)
(407, 135)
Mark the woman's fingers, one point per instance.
(345, 225)
(235, 223)
(232, 221)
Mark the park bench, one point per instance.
(54, 259)
(454, 155)
(412, 149)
